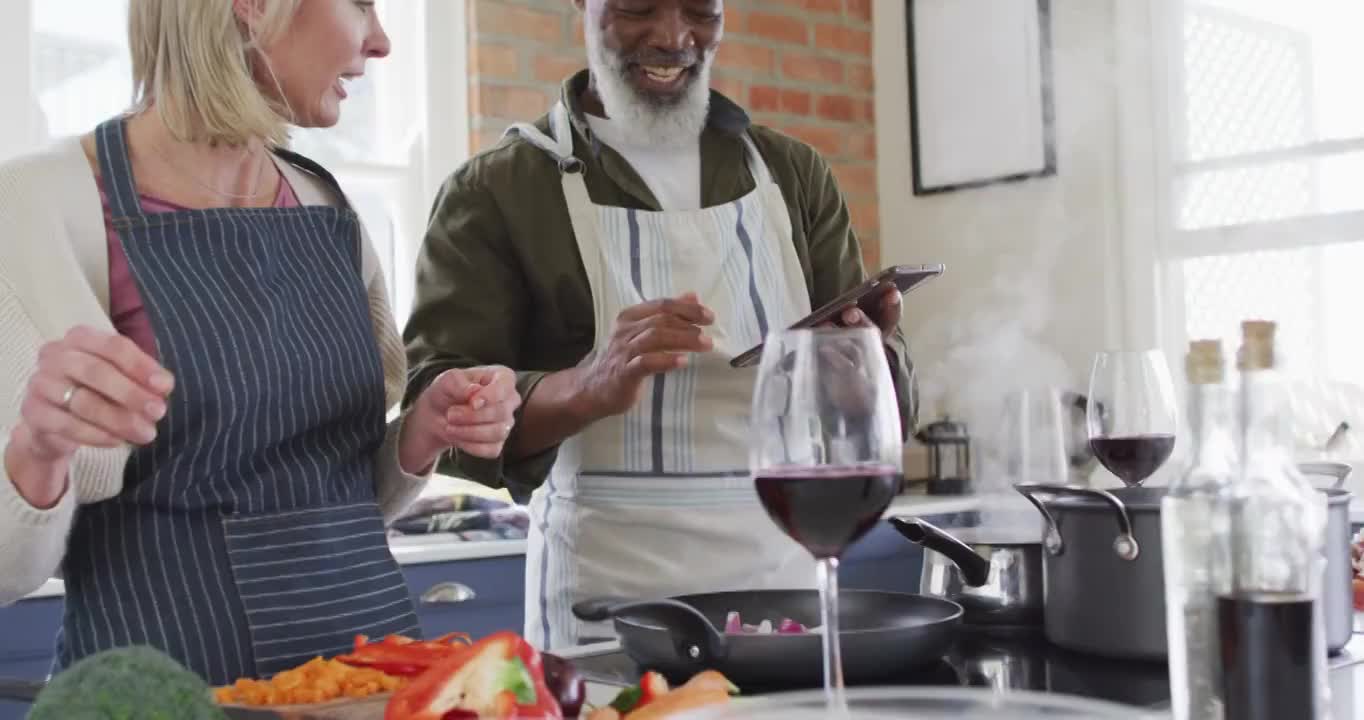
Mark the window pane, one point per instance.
(83, 75)
(376, 212)
(1314, 295)
(81, 69)
(1265, 74)
(379, 203)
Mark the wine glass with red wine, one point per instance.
(1131, 413)
(826, 453)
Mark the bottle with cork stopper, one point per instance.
(1271, 625)
(1257, 346)
(1195, 538)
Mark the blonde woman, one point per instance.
(196, 358)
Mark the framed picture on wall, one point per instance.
(980, 93)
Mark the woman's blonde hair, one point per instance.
(193, 60)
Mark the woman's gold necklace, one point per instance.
(256, 185)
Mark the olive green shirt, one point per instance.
(500, 280)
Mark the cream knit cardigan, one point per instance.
(54, 274)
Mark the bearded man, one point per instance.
(617, 254)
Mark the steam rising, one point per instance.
(1020, 318)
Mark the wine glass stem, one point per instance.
(833, 662)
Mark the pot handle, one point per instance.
(1338, 470)
(1125, 545)
(975, 570)
(1051, 540)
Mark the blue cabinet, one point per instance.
(488, 596)
(885, 560)
(28, 635)
(882, 560)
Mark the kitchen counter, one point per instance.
(407, 550)
(413, 550)
(419, 549)
(926, 505)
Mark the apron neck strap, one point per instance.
(756, 165)
(115, 169)
(559, 143)
(292, 162)
(562, 129)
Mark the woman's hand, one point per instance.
(92, 388)
(470, 409)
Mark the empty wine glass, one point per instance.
(1033, 436)
(826, 454)
(1131, 413)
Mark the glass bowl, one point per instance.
(921, 703)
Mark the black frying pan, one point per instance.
(881, 634)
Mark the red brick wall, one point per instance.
(801, 66)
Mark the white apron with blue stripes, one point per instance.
(659, 501)
(247, 538)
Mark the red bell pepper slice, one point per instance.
(500, 676)
(402, 656)
(651, 686)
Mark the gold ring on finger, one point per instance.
(67, 396)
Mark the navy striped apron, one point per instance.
(247, 538)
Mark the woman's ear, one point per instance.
(248, 12)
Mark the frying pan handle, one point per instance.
(694, 637)
(1125, 545)
(975, 570)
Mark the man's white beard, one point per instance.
(643, 120)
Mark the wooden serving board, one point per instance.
(369, 708)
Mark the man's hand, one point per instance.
(470, 409)
(889, 319)
(647, 339)
(839, 367)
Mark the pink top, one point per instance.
(125, 302)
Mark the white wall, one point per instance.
(1032, 287)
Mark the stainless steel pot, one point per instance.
(1103, 575)
(995, 575)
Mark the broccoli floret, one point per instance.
(133, 683)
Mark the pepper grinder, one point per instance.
(949, 457)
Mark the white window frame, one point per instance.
(1145, 181)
